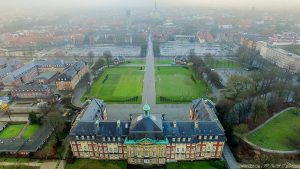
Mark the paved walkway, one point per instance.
(23, 130)
(149, 93)
(230, 159)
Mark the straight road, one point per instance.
(149, 93)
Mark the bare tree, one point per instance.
(265, 161)
(108, 56)
(55, 121)
(91, 56)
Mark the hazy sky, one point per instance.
(61, 4)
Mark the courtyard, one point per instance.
(118, 85)
(178, 85)
(14, 130)
(281, 133)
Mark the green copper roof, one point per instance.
(165, 141)
(146, 107)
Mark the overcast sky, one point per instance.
(61, 4)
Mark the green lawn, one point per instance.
(179, 85)
(190, 165)
(163, 61)
(31, 130)
(224, 64)
(118, 84)
(135, 61)
(292, 48)
(97, 164)
(11, 130)
(282, 133)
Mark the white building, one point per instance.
(280, 57)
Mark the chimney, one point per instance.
(174, 123)
(196, 124)
(118, 124)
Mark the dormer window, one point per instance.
(189, 139)
(119, 138)
(93, 137)
(205, 137)
(82, 137)
(183, 139)
(210, 137)
(173, 139)
(199, 137)
(114, 138)
(178, 139)
(108, 138)
(77, 137)
(103, 138)
(88, 137)
(216, 137)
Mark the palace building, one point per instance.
(148, 139)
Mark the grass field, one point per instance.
(292, 48)
(190, 165)
(135, 61)
(224, 64)
(30, 130)
(118, 84)
(163, 61)
(97, 164)
(179, 84)
(11, 130)
(282, 133)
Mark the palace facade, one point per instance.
(148, 139)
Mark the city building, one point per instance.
(30, 92)
(279, 57)
(46, 78)
(30, 71)
(119, 60)
(147, 139)
(249, 40)
(182, 60)
(71, 76)
(286, 38)
(23, 75)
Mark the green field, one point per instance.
(191, 165)
(292, 48)
(31, 130)
(282, 133)
(97, 164)
(118, 84)
(135, 62)
(179, 85)
(224, 64)
(163, 61)
(11, 130)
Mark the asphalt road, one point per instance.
(149, 93)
